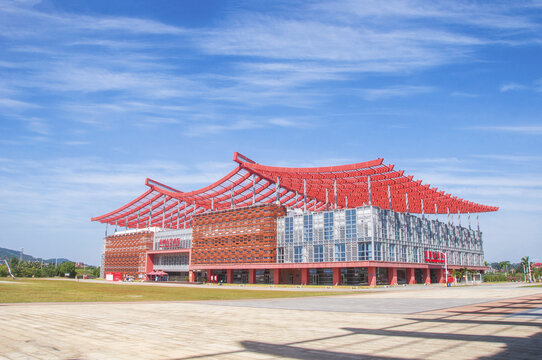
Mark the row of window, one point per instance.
(364, 252)
(350, 231)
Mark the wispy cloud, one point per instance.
(510, 158)
(15, 104)
(511, 87)
(517, 129)
(394, 91)
(464, 94)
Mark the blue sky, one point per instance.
(95, 96)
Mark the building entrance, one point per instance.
(433, 275)
(418, 275)
(401, 276)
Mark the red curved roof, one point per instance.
(370, 182)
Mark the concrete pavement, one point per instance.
(479, 322)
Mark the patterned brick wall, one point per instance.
(126, 252)
(237, 236)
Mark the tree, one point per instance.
(96, 271)
(526, 265)
(67, 267)
(3, 271)
(505, 265)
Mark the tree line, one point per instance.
(38, 270)
(507, 271)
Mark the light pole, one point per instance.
(446, 268)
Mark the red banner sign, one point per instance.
(434, 257)
(169, 243)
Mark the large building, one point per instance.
(358, 224)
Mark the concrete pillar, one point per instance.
(304, 276)
(229, 276)
(276, 276)
(252, 276)
(336, 276)
(372, 275)
(191, 276)
(426, 276)
(392, 276)
(149, 264)
(411, 276)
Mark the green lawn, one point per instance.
(33, 290)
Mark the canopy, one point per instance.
(157, 273)
(313, 189)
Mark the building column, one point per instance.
(426, 276)
(372, 275)
(392, 276)
(252, 276)
(440, 276)
(191, 276)
(209, 273)
(411, 276)
(276, 276)
(336, 276)
(149, 265)
(304, 276)
(229, 276)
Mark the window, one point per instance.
(318, 253)
(391, 256)
(364, 251)
(307, 228)
(298, 254)
(280, 254)
(340, 252)
(378, 251)
(289, 229)
(415, 253)
(351, 233)
(404, 253)
(328, 226)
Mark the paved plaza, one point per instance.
(414, 322)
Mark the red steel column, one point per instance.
(372, 275)
(304, 276)
(392, 276)
(209, 273)
(440, 276)
(149, 264)
(426, 276)
(336, 276)
(276, 276)
(191, 276)
(252, 276)
(229, 276)
(411, 276)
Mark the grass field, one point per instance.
(30, 290)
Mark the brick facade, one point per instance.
(245, 235)
(126, 253)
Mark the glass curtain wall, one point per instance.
(370, 233)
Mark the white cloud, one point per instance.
(464, 94)
(511, 158)
(511, 87)
(518, 129)
(394, 91)
(15, 104)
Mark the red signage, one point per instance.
(434, 257)
(169, 243)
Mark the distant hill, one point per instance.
(16, 253)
